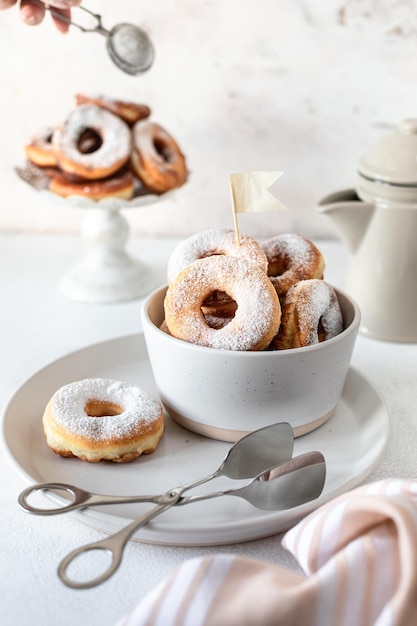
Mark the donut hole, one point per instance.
(216, 321)
(278, 267)
(101, 408)
(211, 253)
(89, 141)
(218, 309)
(321, 333)
(163, 150)
(216, 298)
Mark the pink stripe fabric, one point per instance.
(358, 554)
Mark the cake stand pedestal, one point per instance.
(106, 273)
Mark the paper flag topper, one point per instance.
(251, 192)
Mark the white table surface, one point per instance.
(39, 325)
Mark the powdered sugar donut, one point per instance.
(102, 419)
(310, 314)
(92, 143)
(157, 159)
(39, 150)
(291, 258)
(214, 241)
(130, 112)
(118, 185)
(258, 312)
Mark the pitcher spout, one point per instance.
(350, 215)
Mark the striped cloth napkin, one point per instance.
(358, 553)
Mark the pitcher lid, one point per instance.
(393, 160)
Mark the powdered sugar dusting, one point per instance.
(43, 137)
(291, 258)
(316, 301)
(214, 242)
(69, 402)
(290, 245)
(114, 132)
(144, 133)
(258, 314)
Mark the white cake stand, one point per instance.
(107, 273)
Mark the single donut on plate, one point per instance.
(258, 311)
(310, 314)
(130, 112)
(119, 185)
(156, 158)
(39, 150)
(291, 258)
(92, 143)
(102, 419)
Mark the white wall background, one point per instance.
(304, 86)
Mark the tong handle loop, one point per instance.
(114, 545)
(80, 498)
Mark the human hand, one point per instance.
(32, 12)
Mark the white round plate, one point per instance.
(352, 442)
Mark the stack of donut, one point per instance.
(252, 296)
(107, 148)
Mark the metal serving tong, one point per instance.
(278, 482)
(128, 46)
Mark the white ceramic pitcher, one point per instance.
(378, 222)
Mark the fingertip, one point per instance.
(6, 4)
(32, 14)
(62, 25)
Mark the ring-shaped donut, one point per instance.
(156, 158)
(258, 312)
(292, 258)
(130, 112)
(214, 241)
(119, 185)
(310, 314)
(92, 143)
(39, 150)
(102, 419)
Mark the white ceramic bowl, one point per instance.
(225, 394)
